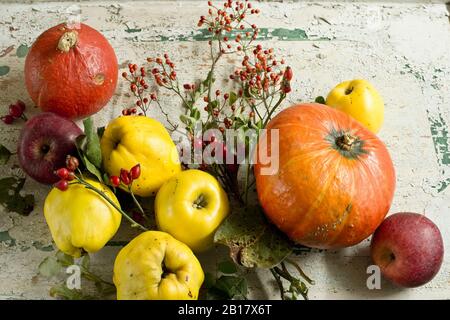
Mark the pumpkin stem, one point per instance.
(346, 141)
(67, 41)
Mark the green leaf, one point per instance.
(208, 79)
(252, 240)
(5, 154)
(61, 291)
(216, 294)
(196, 114)
(320, 99)
(64, 259)
(106, 178)
(81, 143)
(92, 168)
(100, 131)
(49, 267)
(92, 151)
(227, 267)
(232, 286)
(12, 199)
(260, 124)
(185, 119)
(209, 280)
(233, 98)
(85, 261)
(213, 104)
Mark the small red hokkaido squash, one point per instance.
(335, 180)
(71, 71)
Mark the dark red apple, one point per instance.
(44, 143)
(408, 248)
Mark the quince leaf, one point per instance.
(61, 291)
(93, 152)
(64, 259)
(232, 286)
(85, 261)
(253, 241)
(227, 267)
(49, 267)
(92, 168)
(5, 154)
(10, 196)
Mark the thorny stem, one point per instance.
(89, 275)
(296, 285)
(279, 283)
(269, 115)
(136, 201)
(299, 270)
(247, 177)
(91, 187)
(174, 126)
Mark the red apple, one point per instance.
(44, 143)
(408, 248)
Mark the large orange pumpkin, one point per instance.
(71, 71)
(335, 180)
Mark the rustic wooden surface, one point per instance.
(403, 48)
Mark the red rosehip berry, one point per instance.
(21, 105)
(288, 74)
(8, 119)
(70, 176)
(62, 185)
(115, 181)
(135, 172)
(287, 89)
(62, 173)
(15, 110)
(125, 177)
(72, 163)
